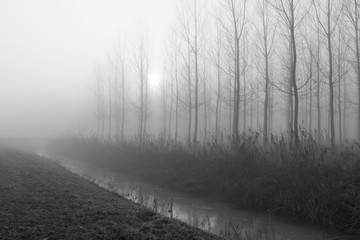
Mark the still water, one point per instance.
(208, 215)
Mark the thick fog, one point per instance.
(49, 50)
(63, 64)
(237, 117)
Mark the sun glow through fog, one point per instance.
(155, 79)
(50, 48)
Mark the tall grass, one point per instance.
(311, 182)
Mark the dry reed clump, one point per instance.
(310, 182)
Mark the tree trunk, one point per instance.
(196, 98)
(177, 100)
(339, 86)
(266, 101)
(236, 89)
(306, 111)
(244, 98)
(205, 103)
(318, 89)
(123, 99)
(146, 100)
(164, 89)
(218, 96)
(196, 52)
(189, 96)
(231, 100)
(237, 74)
(293, 76)
(257, 109)
(110, 108)
(344, 111)
(311, 106)
(251, 104)
(171, 102)
(290, 112)
(356, 11)
(141, 96)
(98, 105)
(331, 83)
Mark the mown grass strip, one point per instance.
(41, 200)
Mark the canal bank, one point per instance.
(206, 214)
(41, 200)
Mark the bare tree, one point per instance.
(141, 68)
(308, 61)
(244, 70)
(164, 101)
(265, 47)
(196, 14)
(328, 20)
(191, 18)
(146, 93)
(117, 64)
(236, 11)
(185, 25)
(171, 97)
(123, 111)
(290, 14)
(111, 79)
(217, 59)
(99, 95)
(204, 81)
(317, 58)
(352, 12)
(176, 63)
(339, 80)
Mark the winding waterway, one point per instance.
(208, 215)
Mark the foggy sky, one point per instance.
(48, 50)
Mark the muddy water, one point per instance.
(211, 216)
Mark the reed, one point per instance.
(311, 182)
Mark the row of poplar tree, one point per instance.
(233, 65)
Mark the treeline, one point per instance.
(273, 66)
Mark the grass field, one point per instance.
(41, 200)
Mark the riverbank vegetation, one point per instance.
(311, 182)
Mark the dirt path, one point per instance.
(41, 200)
